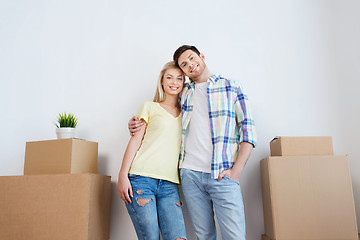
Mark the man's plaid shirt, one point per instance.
(230, 116)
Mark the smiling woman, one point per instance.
(173, 81)
(149, 176)
(169, 72)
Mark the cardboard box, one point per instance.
(301, 146)
(58, 206)
(61, 156)
(264, 237)
(308, 197)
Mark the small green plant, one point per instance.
(66, 120)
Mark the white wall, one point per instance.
(299, 62)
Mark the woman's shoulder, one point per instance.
(149, 105)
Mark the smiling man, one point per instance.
(217, 139)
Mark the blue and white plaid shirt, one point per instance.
(230, 116)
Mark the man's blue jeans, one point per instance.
(156, 205)
(203, 195)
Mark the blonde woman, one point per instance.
(148, 178)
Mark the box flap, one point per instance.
(84, 156)
(99, 206)
(266, 197)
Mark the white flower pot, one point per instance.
(66, 132)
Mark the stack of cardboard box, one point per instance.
(307, 192)
(60, 196)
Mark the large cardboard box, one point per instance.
(308, 197)
(301, 146)
(61, 156)
(264, 237)
(58, 206)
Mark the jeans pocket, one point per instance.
(231, 180)
(181, 173)
(132, 176)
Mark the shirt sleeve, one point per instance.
(244, 117)
(182, 95)
(144, 112)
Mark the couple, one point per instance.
(209, 123)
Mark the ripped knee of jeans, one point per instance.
(179, 203)
(143, 201)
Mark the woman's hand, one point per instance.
(124, 189)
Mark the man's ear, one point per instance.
(202, 56)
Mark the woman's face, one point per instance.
(173, 81)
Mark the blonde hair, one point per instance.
(160, 94)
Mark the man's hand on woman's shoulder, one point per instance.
(134, 125)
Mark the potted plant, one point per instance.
(66, 123)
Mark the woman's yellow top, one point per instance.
(158, 155)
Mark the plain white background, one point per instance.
(298, 61)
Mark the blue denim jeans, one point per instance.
(203, 195)
(156, 205)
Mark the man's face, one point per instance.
(192, 64)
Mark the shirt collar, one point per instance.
(214, 78)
